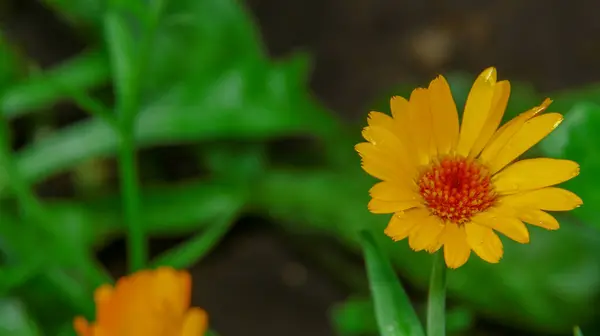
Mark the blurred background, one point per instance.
(249, 116)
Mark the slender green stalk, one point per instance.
(126, 74)
(137, 244)
(436, 303)
(128, 63)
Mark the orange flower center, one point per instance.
(456, 188)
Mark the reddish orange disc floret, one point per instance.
(456, 188)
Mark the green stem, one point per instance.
(128, 64)
(137, 244)
(126, 69)
(436, 303)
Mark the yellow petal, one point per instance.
(484, 242)
(534, 174)
(403, 222)
(381, 207)
(420, 125)
(399, 107)
(426, 233)
(444, 115)
(389, 144)
(173, 288)
(393, 191)
(456, 248)
(379, 164)
(532, 132)
(380, 119)
(435, 246)
(195, 323)
(551, 198)
(477, 109)
(511, 227)
(538, 218)
(499, 102)
(508, 130)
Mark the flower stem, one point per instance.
(137, 249)
(436, 303)
(125, 63)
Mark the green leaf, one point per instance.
(56, 288)
(195, 248)
(211, 332)
(10, 64)
(577, 331)
(354, 317)
(84, 72)
(577, 139)
(15, 320)
(221, 87)
(167, 211)
(67, 330)
(83, 12)
(393, 310)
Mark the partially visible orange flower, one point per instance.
(146, 303)
(457, 186)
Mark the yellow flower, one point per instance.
(455, 188)
(147, 303)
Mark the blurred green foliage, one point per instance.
(210, 80)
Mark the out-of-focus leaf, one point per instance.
(195, 248)
(577, 139)
(567, 99)
(15, 320)
(56, 288)
(459, 319)
(393, 310)
(86, 71)
(354, 317)
(169, 210)
(67, 330)
(166, 211)
(81, 12)
(221, 87)
(238, 161)
(12, 277)
(521, 290)
(213, 118)
(577, 332)
(9, 63)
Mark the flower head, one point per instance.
(457, 186)
(147, 303)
